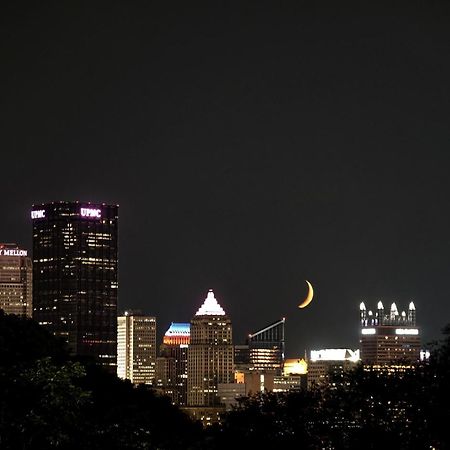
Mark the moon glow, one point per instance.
(309, 297)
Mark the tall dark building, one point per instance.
(266, 347)
(241, 357)
(75, 269)
(175, 347)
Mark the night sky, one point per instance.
(250, 146)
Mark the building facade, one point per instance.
(266, 348)
(389, 338)
(229, 394)
(241, 357)
(256, 381)
(165, 372)
(75, 276)
(330, 364)
(136, 347)
(16, 275)
(176, 347)
(210, 357)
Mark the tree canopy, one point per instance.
(49, 399)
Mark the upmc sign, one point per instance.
(39, 214)
(92, 213)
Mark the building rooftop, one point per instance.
(210, 306)
(178, 329)
(335, 354)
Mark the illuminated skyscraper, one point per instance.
(136, 347)
(389, 338)
(176, 347)
(266, 347)
(210, 356)
(16, 274)
(75, 271)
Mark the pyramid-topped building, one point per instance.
(211, 356)
(210, 306)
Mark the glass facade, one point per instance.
(75, 276)
(266, 347)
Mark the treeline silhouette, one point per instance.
(49, 399)
(52, 400)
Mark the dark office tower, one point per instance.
(266, 347)
(15, 280)
(241, 357)
(75, 276)
(389, 338)
(175, 347)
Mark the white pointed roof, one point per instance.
(210, 306)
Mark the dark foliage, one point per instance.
(40, 403)
(50, 400)
(24, 340)
(121, 416)
(271, 421)
(366, 409)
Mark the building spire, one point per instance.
(210, 306)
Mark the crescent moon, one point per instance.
(309, 297)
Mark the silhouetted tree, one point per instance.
(122, 416)
(436, 392)
(49, 399)
(41, 406)
(370, 409)
(271, 420)
(40, 403)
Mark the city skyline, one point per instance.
(249, 148)
(238, 340)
